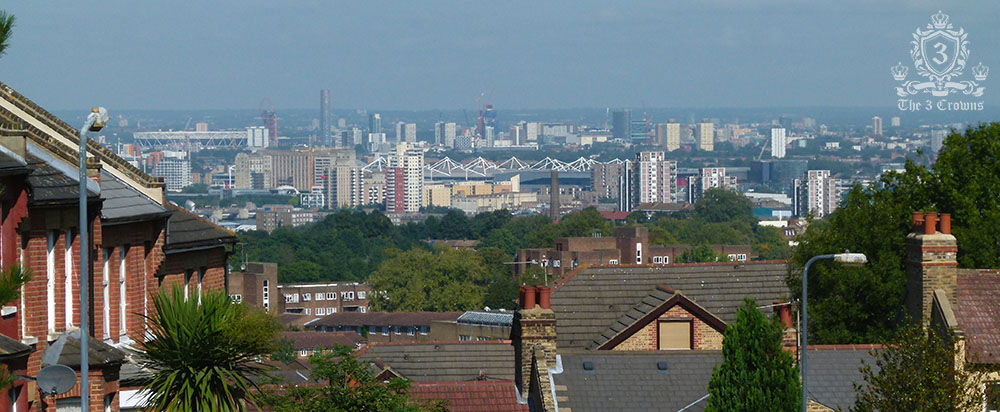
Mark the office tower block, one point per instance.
(324, 118)
(937, 140)
(438, 133)
(374, 123)
(517, 135)
(778, 142)
(621, 124)
(877, 126)
(409, 133)
(657, 178)
(894, 122)
(532, 130)
(705, 136)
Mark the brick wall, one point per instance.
(211, 262)
(647, 338)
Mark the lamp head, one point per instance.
(851, 259)
(100, 116)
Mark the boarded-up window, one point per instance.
(675, 334)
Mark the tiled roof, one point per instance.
(833, 372)
(445, 361)
(631, 381)
(10, 348)
(615, 215)
(324, 340)
(50, 185)
(475, 396)
(66, 350)
(651, 307)
(593, 299)
(185, 230)
(122, 201)
(978, 314)
(384, 318)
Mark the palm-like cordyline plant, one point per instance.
(204, 355)
(11, 280)
(6, 28)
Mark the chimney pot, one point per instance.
(529, 297)
(544, 297)
(945, 223)
(930, 223)
(784, 310)
(918, 221)
(520, 300)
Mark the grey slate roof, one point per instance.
(66, 351)
(123, 202)
(832, 374)
(11, 163)
(594, 299)
(185, 230)
(10, 348)
(445, 361)
(474, 317)
(630, 381)
(50, 185)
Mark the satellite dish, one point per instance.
(56, 379)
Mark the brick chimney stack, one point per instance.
(790, 342)
(534, 326)
(931, 263)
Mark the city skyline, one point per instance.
(230, 56)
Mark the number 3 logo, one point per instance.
(940, 48)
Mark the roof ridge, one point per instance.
(441, 342)
(183, 210)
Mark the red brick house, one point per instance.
(138, 242)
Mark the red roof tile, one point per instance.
(474, 396)
(978, 314)
(613, 215)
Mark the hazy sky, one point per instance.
(441, 54)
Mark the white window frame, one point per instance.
(306, 297)
(657, 260)
(201, 280)
(50, 280)
(320, 311)
(330, 311)
(307, 311)
(304, 353)
(267, 295)
(361, 294)
(362, 309)
(236, 298)
(613, 261)
(556, 263)
(331, 295)
(122, 290)
(320, 296)
(68, 263)
(106, 289)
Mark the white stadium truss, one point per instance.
(225, 138)
(480, 167)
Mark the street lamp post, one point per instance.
(95, 122)
(847, 258)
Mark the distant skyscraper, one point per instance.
(657, 178)
(626, 201)
(532, 130)
(258, 136)
(201, 127)
(517, 134)
(374, 123)
(638, 131)
(877, 126)
(821, 193)
(894, 122)
(409, 133)
(705, 136)
(324, 118)
(621, 124)
(937, 140)
(669, 135)
(438, 133)
(778, 142)
(406, 174)
(604, 179)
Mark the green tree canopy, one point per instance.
(915, 372)
(722, 205)
(6, 30)
(441, 280)
(856, 305)
(756, 373)
(698, 254)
